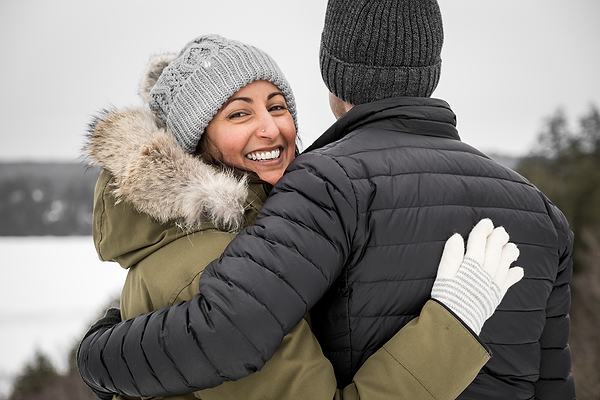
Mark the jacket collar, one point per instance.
(415, 115)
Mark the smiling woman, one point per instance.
(253, 131)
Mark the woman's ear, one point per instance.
(155, 67)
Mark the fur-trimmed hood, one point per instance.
(158, 177)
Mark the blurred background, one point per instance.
(522, 77)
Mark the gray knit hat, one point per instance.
(209, 69)
(377, 49)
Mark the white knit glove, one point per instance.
(473, 284)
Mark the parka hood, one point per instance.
(154, 174)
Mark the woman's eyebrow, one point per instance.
(248, 99)
(275, 94)
(232, 99)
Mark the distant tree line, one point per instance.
(46, 199)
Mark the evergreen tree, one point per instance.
(34, 376)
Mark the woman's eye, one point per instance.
(238, 114)
(278, 107)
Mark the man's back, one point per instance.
(415, 184)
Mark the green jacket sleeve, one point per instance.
(433, 357)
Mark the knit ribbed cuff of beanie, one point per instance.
(360, 84)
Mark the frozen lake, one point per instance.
(51, 290)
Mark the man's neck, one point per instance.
(338, 107)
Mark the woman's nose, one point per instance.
(268, 128)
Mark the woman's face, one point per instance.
(254, 130)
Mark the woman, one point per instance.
(180, 180)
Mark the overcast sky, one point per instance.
(507, 64)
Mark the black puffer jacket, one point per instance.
(361, 221)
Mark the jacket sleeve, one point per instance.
(432, 357)
(556, 379)
(265, 282)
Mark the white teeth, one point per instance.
(269, 155)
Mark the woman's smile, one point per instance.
(255, 131)
(263, 156)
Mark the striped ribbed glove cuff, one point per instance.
(471, 294)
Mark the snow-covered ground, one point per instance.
(51, 290)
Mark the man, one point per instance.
(353, 232)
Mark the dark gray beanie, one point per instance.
(207, 72)
(377, 49)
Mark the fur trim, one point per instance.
(155, 67)
(158, 177)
